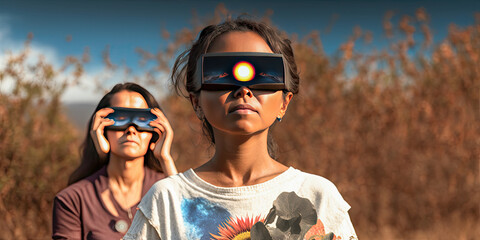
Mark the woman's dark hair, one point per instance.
(90, 160)
(183, 74)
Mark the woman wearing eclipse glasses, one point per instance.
(126, 150)
(240, 76)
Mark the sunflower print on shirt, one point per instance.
(291, 217)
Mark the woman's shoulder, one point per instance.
(74, 194)
(169, 183)
(166, 188)
(161, 193)
(321, 188)
(312, 181)
(152, 176)
(83, 187)
(326, 198)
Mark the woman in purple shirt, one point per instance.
(118, 167)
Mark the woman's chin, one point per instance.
(245, 130)
(129, 155)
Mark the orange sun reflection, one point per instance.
(243, 71)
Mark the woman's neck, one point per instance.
(240, 160)
(125, 173)
(125, 181)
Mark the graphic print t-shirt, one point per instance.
(186, 207)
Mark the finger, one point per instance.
(158, 126)
(99, 115)
(159, 113)
(103, 144)
(160, 130)
(104, 112)
(104, 123)
(161, 118)
(101, 123)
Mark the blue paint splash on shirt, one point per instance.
(202, 217)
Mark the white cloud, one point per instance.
(87, 90)
(84, 92)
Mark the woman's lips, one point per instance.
(242, 108)
(131, 142)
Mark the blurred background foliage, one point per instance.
(396, 129)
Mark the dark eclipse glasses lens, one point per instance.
(137, 117)
(227, 71)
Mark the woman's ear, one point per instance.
(286, 100)
(152, 146)
(196, 106)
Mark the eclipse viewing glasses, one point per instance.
(231, 70)
(137, 117)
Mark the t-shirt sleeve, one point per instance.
(345, 230)
(155, 217)
(141, 228)
(66, 222)
(332, 209)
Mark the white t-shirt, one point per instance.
(184, 206)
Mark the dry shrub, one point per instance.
(38, 147)
(397, 131)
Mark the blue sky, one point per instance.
(125, 25)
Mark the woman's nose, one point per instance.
(131, 129)
(242, 92)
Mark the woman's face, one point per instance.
(130, 143)
(241, 111)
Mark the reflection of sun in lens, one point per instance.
(243, 71)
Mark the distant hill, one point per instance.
(79, 113)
